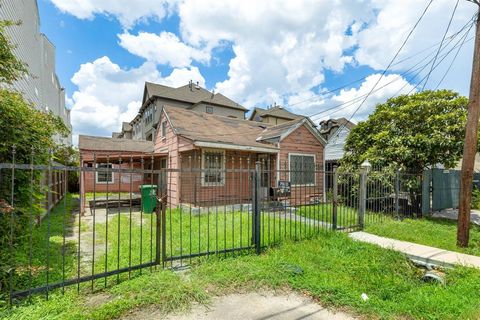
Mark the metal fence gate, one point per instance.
(134, 214)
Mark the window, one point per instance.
(213, 165)
(164, 129)
(209, 109)
(104, 176)
(302, 169)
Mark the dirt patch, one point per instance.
(260, 306)
(96, 300)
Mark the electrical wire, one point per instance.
(441, 43)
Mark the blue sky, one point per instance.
(284, 52)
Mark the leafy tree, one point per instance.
(11, 68)
(411, 132)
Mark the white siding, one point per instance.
(334, 147)
(41, 87)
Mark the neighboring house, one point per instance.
(114, 153)
(187, 139)
(41, 86)
(191, 97)
(126, 133)
(335, 131)
(274, 115)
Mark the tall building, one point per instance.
(41, 86)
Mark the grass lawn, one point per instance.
(440, 233)
(331, 268)
(346, 216)
(45, 252)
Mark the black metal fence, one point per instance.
(133, 214)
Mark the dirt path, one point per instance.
(248, 306)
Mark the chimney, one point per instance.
(197, 86)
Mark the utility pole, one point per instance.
(470, 146)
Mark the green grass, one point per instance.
(46, 254)
(330, 268)
(440, 233)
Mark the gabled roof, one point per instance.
(281, 131)
(189, 93)
(277, 111)
(335, 124)
(215, 129)
(114, 144)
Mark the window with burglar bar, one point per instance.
(213, 165)
(302, 169)
(104, 176)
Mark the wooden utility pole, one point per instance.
(470, 146)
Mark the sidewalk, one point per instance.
(421, 253)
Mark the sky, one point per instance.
(258, 53)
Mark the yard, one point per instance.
(327, 266)
(330, 268)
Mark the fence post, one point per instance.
(335, 199)
(256, 207)
(397, 192)
(362, 195)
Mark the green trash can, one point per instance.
(149, 197)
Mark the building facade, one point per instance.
(41, 86)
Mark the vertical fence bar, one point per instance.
(94, 214)
(12, 203)
(30, 226)
(118, 213)
(257, 212)
(335, 199)
(397, 192)
(130, 188)
(362, 198)
(49, 208)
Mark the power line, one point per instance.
(453, 60)
(412, 69)
(386, 69)
(441, 43)
(396, 63)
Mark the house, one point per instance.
(190, 96)
(114, 154)
(335, 131)
(274, 115)
(212, 155)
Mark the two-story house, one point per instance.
(273, 115)
(191, 97)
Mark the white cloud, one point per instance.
(379, 41)
(282, 50)
(280, 47)
(108, 94)
(165, 48)
(128, 12)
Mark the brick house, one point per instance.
(200, 142)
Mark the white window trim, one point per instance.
(164, 136)
(213, 184)
(290, 169)
(104, 182)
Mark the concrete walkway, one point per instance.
(452, 214)
(420, 253)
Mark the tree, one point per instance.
(412, 132)
(31, 132)
(11, 68)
